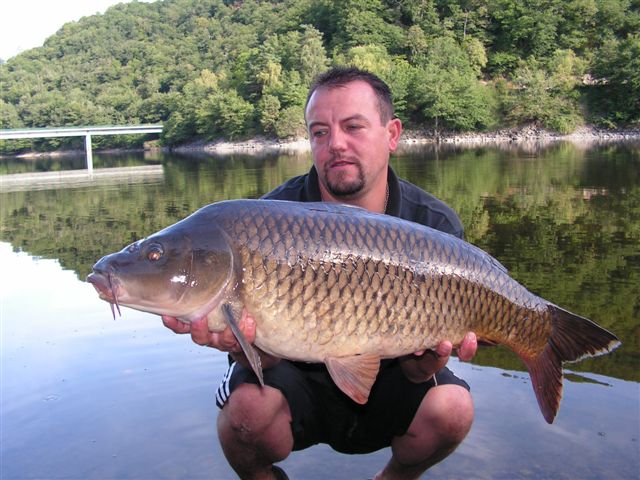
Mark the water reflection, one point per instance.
(80, 178)
(85, 396)
(78, 161)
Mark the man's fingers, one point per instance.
(227, 340)
(443, 350)
(201, 335)
(441, 355)
(248, 326)
(468, 347)
(175, 325)
(200, 332)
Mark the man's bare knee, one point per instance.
(441, 423)
(450, 413)
(257, 419)
(253, 407)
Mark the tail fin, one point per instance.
(572, 338)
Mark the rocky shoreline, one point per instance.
(526, 133)
(529, 134)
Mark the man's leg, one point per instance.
(441, 423)
(254, 428)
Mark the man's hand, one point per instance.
(224, 341)
(422, 365)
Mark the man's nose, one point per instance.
(337, 141)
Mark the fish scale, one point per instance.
(386, 284)
(342, 286)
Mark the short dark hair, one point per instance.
(341, 76)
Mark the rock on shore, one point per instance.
(522, 134)
(525, 134)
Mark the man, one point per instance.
(417, 406)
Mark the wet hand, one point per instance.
(422, 365)
(200, 333)
(224, 341)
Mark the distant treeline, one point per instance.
(212, 69)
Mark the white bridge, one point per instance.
(85, 132)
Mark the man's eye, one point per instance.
(354, 127)
(319, 133)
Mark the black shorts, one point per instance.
(321, 413)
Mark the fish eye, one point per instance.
(155, 253)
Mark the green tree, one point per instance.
(615, 19)
(447, 91)
(546, 95)
(476, 53)
(522, 29)
(224, 114)
(312, 54)
(285, 65)
(424, 15)
(9, 118)
(365, 22)
(176, 129)
(268, 113)
(466, 17)
(577, 23)
(617, 68)
(416, 42)
(291, 122)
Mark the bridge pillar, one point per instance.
(89, 153)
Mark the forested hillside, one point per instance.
(212, 69)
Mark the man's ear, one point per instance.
(394, 129)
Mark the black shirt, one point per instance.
(406, 201)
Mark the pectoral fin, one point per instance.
(247, 348)
(354, 375)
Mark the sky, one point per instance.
(26, 24)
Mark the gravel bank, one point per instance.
(527, 134)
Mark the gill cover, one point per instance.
(206, 265)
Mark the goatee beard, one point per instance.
(342, 188)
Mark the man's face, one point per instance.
(349, 142)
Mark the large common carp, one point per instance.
(342, 286)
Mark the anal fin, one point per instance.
(252, 355)
(354, 375)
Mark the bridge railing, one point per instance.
(86, 132)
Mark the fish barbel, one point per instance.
(342, 286)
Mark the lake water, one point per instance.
(86, 396)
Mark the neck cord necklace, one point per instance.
(386, 200)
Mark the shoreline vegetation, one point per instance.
(411, 138)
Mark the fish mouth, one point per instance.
(107, 287)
